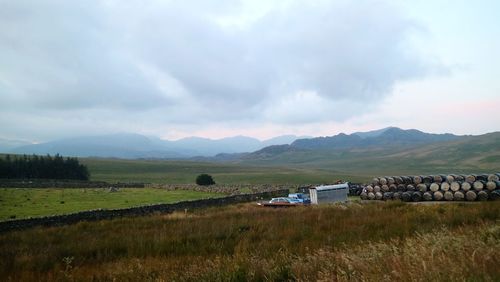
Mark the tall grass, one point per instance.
(391, 241)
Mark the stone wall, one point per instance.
(59, 220)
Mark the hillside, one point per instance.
(467, 154)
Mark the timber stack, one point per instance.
(439, 187)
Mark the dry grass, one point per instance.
(372, 242)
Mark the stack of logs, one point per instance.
(452, 187)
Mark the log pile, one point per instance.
(451, 187)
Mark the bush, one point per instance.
(204, 180)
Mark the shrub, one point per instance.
(204, 180)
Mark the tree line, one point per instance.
(42, 167)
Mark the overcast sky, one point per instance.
(257, 68)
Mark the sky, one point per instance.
(256, 68)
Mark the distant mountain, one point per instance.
(9, 144)
(127, 145)
(373, 133)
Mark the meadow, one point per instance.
(22, 203)
(389, 241)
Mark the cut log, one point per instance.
(410, 188)
(427, 179)
(454, 186)
(371, 196)
(470, 178)
(390, 180)
(445, 186)
(438, 196)
(369, 189)
(482, 177)
(458, 196)
(470, 195)
(417, 179)
(392, 188)
(459, 178)
(466, 186)
(482, 195)
(375, 181)
(407, 180)
(450, 178)
(435, 187)
(383, 181)
(396, 196)
(448, 196)
(378, 196)
(363, 195)
(388, 196)
(379, 188)
(490, 185)
(495, 195)
(406, 196)
(478, 185)
(401, 187)
(493, 177)
(398, 180)
(422, 187)
(427, 196)
(416, 196)
(437, 178)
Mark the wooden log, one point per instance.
(448, 196)
(378, 195)
(427, 179)
(410, 188)
(427, 196)
(407, 180)
(438, 196)
(388, 196)
(417, 179)
(434, 187)
(416, 196)
(466, 186)
(482, 195)
(437, 178)
(378, 188)
(493, 177)
(459, 178)
(375, 181)
(397, 196)
(450, 178)
(371, 196)
(383, 180)
(458, 196)
(495, 195)
(454, 186)
(398, 180)
(369, 189)
(406, 196)
(363, 195)
(482, 177)
(471, 178)
(422, 187)
(470, 195)
(392, 188)
(401, 187)
(390, 180)
(478, 185)
(490, 185)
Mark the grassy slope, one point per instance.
(23, 203)
(372, 242)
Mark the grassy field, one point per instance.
(369, 242)
(185, 172)
(22, 203)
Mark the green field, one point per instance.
(389, 241)
(185, 172)
(22, 203)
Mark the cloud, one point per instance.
(185, 62)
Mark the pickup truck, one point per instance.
(301, 197)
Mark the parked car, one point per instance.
(281, 202)
(301, 197)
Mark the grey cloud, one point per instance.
(172, 63)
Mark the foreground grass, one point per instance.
(372, 242)
(22, 203)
